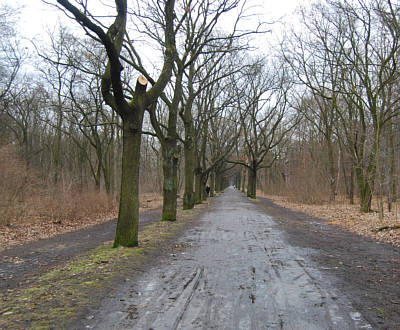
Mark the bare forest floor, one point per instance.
(64, 217)
(341, 213)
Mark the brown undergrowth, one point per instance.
(64, 213)
(65, 293)
(341, 213)
(31, 210)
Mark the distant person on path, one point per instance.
(207, 191)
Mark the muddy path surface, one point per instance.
(240, 269)
(21, 264)
(365, 270)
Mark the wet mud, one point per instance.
(237, 269)
(366, 271)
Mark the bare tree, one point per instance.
(264, 118)
(130, 109)
(347, 61)
(11, 55)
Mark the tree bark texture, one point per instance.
(365, 191)
(212, 184)
(128, 216)
(188, 196)
(170, 184)
(251, 183)
(392, 193)
(197, 183)
(243, 174)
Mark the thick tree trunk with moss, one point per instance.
(170, 185)
(128, 216)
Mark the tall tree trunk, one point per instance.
(392, 195)
(347, 179)
(332, 171)
(251, 183)
(189, 145)
(188, 196)
(379, 178)
(238, 180)
(107, 173)
(170, 153)
(243, 173)
(97, 176)
(203, 187)
(365, 190)
(212, 183)
(197, 183)
(128, 216)
(57, 151)
(170, 184)
(351, 185)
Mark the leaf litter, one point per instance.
(342, 214)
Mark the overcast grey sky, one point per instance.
(36, 15)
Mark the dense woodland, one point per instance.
(167, 97)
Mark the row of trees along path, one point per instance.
(321, 107)
(201, 59)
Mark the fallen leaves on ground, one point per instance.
(344, 215)
(34, 228)
(38, 228)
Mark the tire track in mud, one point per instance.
(238, 273)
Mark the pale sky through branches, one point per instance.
(36, 16)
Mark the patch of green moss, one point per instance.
(378, 310)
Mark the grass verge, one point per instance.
(61, 296)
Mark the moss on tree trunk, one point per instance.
(170, 186)
(128, 216)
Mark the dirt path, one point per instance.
(365, 270)
(245, 269)
(21, 264)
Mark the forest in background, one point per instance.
(315, 119)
